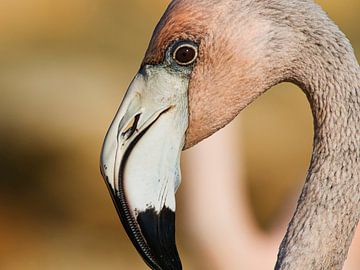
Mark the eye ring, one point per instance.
(185, 54)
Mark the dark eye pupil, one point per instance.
(185, 55)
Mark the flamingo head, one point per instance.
(206, 61)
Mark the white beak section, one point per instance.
(153, 166)
(140, 162)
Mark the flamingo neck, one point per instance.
(320, 232)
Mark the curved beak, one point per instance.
(140, 162)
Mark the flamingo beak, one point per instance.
(140, 162)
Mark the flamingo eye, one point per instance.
(185, 54)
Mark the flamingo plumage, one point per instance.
(208, 60)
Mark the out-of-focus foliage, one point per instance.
(63, 67)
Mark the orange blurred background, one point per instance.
(63, 68)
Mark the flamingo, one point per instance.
(207, 60)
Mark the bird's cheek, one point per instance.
(202, 120)
(208, 111)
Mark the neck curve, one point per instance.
(320, 232)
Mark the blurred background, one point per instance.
(63, 68)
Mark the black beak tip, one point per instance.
(156, 232)
(159, 231)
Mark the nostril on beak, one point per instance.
(131, 127)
